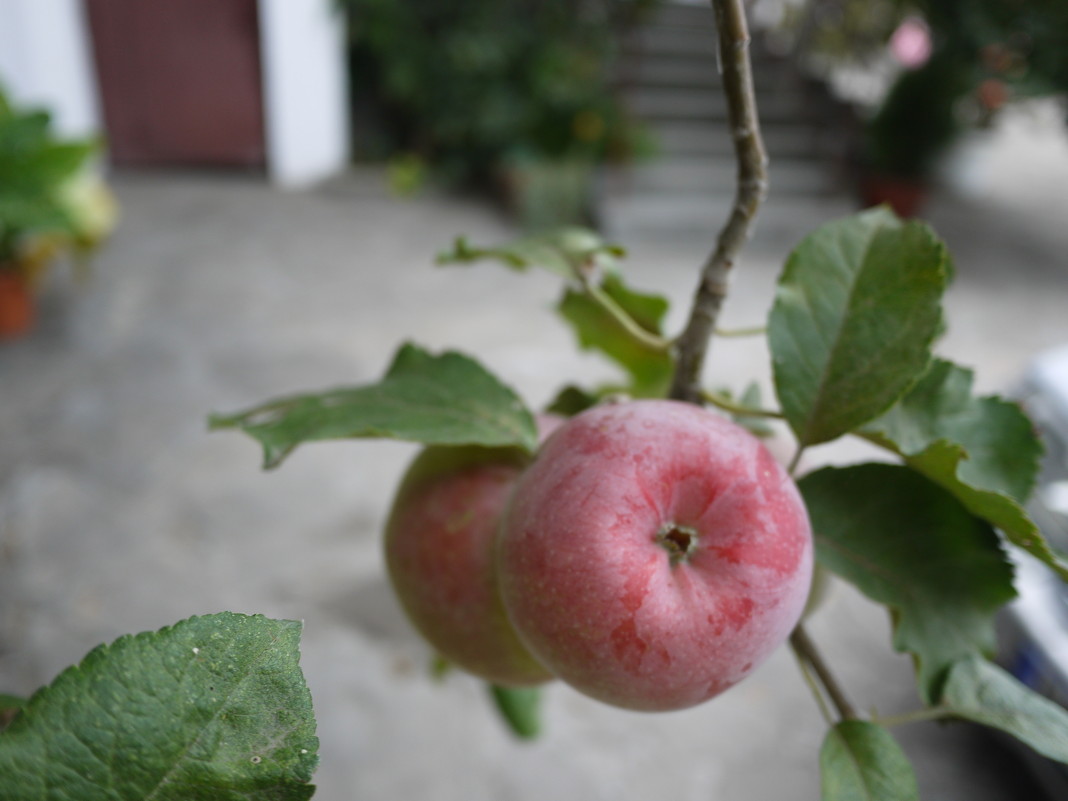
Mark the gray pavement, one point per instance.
(119, 512)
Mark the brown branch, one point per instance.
(693, 343)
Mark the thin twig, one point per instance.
(727, 405)
(916, 716)
(806, 650)
(753, 331)
(796, 461)
(751, 187)
(629, 324)
(813, 687)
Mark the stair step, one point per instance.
(692, 15)
(781, 140)
(781, 219)
(695, 73)
(695, 104)
(662, 42)
(684, 41)
(787, 176)
(670, 80)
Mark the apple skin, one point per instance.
(607, 602)
(439, 549)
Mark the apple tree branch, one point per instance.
(692, 345)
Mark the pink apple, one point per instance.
(654, 554)
(439, 545)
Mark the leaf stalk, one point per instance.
(727, 405)
(647, 338)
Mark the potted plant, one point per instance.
(509, 95)
(957, 63)
(916, 123)
(51, 205)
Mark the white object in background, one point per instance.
(45, 61)
(305, 91)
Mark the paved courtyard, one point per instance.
(119, 512)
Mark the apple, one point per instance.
(654, 554)
(439, 549)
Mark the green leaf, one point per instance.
(437, 400)
(1002, 448)
(855, 313)
(650, 368)
(520, 707)
(589, 264)
(940, 462)
(214, 707)
(567, 252)
(907, 543)
(11, 701)
(860, 761)
(9, 707)
(984, 693)
(983, 450)
(750, 398)
(571, 400)
(33, 168)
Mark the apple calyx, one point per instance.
(679, 541)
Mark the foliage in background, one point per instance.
(985, 53)
(919, 119)
(50, 201)
(468, 85)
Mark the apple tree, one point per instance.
(651, 552)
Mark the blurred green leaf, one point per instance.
(520, 707)
(908, 544)
(212, 708)
(436, 400)
(567, 252)
(984, 693)
(650, 368)
(855, 313)
(11, 701)
(34, 166)
(9, 707)
(751, 398)
(571, 400)
(860, 761)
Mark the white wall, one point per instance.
(45, 59)
(305, 90)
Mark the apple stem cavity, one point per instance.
(679, 541)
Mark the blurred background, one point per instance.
(210, 202)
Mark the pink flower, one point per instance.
(910, 44)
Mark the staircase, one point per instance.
(669, 79)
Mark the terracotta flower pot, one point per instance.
(905, 196)
(17, 310)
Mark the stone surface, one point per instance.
(119, 512)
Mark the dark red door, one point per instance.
(180, 81)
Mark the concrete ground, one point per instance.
(119, 512)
